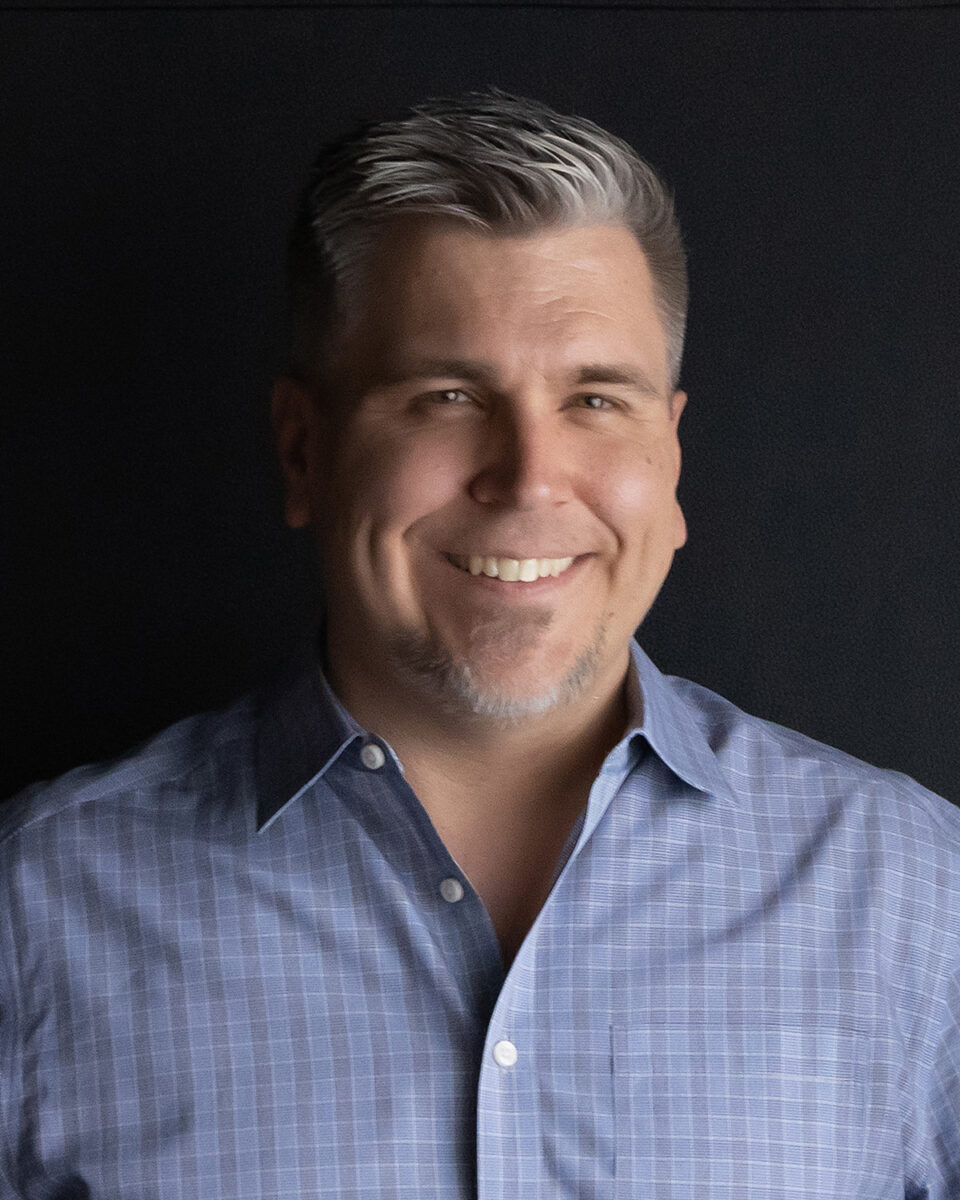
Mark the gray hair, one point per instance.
(502, 164)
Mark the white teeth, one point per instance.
(511, 570)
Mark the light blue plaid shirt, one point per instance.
(240, 963)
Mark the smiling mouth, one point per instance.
(511, 570)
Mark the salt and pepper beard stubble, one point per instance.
(433, 671)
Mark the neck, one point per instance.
(520, 758)
(503, 798)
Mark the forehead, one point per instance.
(437, 287)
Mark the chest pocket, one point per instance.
(719, 1112)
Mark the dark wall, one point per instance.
(151, 158)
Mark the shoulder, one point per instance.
(860, 850)
(172, 770)
(772, 768)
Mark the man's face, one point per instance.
(501, 409)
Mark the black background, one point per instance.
(151, 157)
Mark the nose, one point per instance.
(524, 463)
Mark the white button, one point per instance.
(451, 890)
(372, 756)
(505, 1054)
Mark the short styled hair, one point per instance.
(502, 164)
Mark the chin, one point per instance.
(503, 695)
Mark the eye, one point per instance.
(443, 404)
(450, 396)
(596, 403)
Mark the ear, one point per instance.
(677, 404)
(293, 409)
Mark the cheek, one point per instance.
(637, 490)
(390, 484)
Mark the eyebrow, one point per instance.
(625, 376)
(485, 375)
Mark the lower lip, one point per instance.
(516, 590)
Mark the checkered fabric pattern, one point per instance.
(241, 964)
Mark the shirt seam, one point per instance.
(11, 1022)
(935, 1028)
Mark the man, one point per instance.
(479, 903)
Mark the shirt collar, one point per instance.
(676, 728)
(303, 729)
